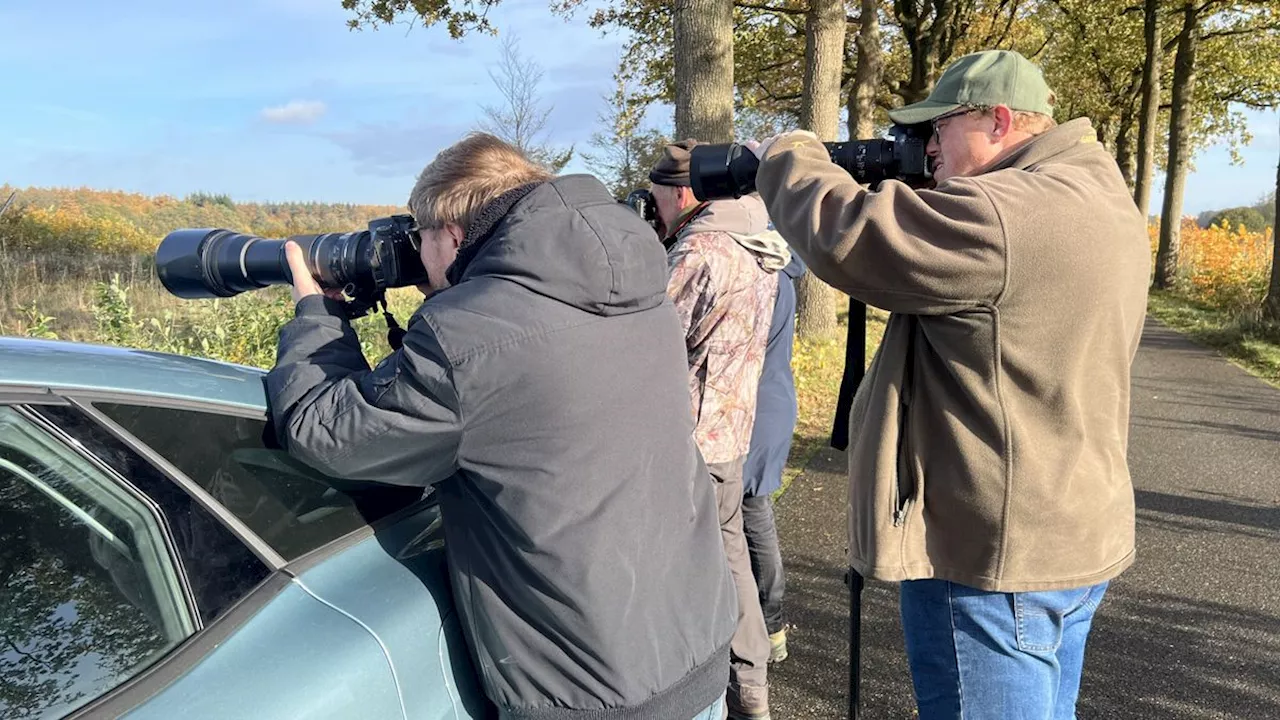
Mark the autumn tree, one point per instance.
(521, 118)
(1184, 83)
(1271, 304)
(1227, 53)
(1149, 112)
(458, 16)
(868, 69)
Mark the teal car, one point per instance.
(160, 559)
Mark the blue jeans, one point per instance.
(977, 654)
(715, 712)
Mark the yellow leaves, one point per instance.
(70, 229)
(1222, 266)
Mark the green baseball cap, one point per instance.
(987, 78)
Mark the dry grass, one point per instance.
(818, 365)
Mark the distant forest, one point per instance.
(104, 221)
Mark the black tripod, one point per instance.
(855, 353)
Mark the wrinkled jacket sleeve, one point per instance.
(921, 252)
(399, 423)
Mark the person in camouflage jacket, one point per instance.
(724, 263)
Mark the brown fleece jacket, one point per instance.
(988, 441)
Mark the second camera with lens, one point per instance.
(729, 171)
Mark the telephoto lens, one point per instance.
(208, 263)
(213, 262)
(729, 171)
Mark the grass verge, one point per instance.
(1246, 340)
(817, 364)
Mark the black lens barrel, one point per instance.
(180, 263)
(729, 170)
(212, 262)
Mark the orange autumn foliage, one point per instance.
(1221, 266)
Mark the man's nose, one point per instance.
(932, 148)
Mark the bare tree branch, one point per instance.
(770, 9)
(521, 119)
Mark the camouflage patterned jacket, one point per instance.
(724, 279)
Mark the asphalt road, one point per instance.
(1192, 630)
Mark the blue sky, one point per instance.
(277, 100)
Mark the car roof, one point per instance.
(69, 366)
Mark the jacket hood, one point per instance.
(770, 249)
(795, 268)
(569, 240)
(744, 216)
(746, 221)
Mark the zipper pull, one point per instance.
(899, 516)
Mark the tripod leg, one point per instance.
(855, 644)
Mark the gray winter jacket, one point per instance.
(545, 392)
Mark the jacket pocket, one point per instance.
(908, 484)
(384, 377)
(1041, 616)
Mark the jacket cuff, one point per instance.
(320, 306)
(790, 141)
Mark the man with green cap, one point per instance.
(987, 443)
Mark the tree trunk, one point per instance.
(1149, 115)
(1184, 85)
(704, 70)
(1124, 149)
(820, 112)
(866, 76)
(823, 63)
(1271, 305)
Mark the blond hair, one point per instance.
(1032, 123)
(465, 177)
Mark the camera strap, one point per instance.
(688, 218)
(395, 333)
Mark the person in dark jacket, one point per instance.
(542, 388)
(771, 435)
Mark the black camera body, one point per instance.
(729, 171)
(213, 262)
(641, 200)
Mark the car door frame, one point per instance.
(149, 682)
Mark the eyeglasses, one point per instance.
(948, 116)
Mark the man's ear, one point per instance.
(687, 197)
(456, 234)
(1004, 121)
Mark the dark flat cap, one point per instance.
(673, 167)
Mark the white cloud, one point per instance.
(298, 112)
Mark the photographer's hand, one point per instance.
(760, 148)
(303, 284)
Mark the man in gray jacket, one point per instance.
(987, 443)
(542, 389)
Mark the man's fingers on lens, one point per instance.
(303, 283)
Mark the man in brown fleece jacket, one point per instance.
(987, 453)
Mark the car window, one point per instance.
(89, 592)
(220, 568)
(293, 508)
